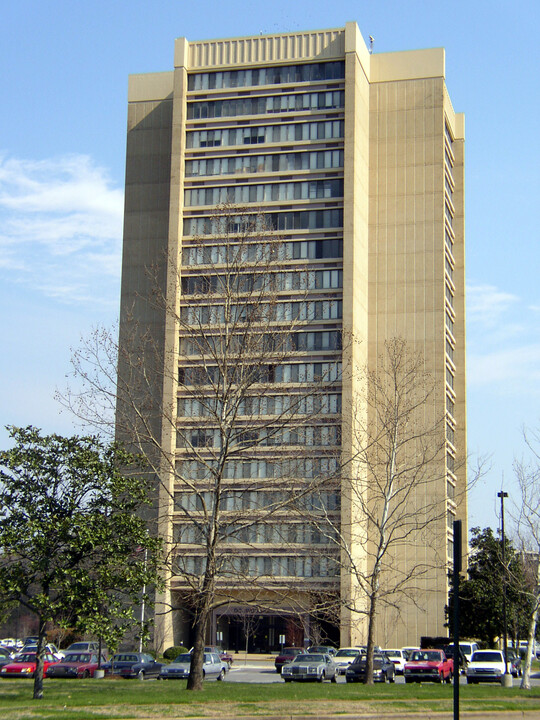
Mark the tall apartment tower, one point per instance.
(357, 161)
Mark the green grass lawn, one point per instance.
(121, 699)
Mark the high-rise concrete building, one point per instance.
(356, 159)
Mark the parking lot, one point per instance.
(253, 671)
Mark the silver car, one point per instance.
(213, 666)
(310, 666)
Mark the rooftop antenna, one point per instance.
(371, 41)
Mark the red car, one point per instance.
(75, 665)
(428, 666)
(25, 665)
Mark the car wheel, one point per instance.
(408, 680)
(470, 681)
(140, 675)
(203, 674)
(221, 675)
(349, 680)
(449, 678)
(321, 677)
(287, 679)
(85, 675)
(392, 679)
(333, 679)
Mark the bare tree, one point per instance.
(206, 404)
(391, 487)
(527, 520)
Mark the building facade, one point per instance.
(356, 161)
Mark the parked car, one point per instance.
(467, 648)
(287, 655)
(486, 666)
(344, 657)
(383, 669)
(514, 663)
(213, 666)
(6, 657)
(76, 665)
(315, 667)
(408, 651)
(85, 646)
(25, 665)
(428, 666)
(324, 649)
(462, 658)
(398, 658)
(223, 654)
(133, 665)
(50, 648)
(30, 640)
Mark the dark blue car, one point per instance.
(133, 665)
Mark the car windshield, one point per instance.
(312, 657)
(424, 656)
(393, 653)
(27, 657)
(186, 659)
(77, 657)
(125, 658)
(465, 648)
(485, 656)
(347, 653)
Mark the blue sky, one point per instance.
(63, 100)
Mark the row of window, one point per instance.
(325, 435)
(269, 192)
(279, 312)
(235, 107)
(310, 72)
(323, 404)
(218, 344)
(256, 282)
(285, 373)
(300, 220)
(260, 533)
(295, 132)
(324, 501)
(262, 252)
(234, 566)
(279, 162)
(312, 467)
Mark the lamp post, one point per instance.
(507, 677)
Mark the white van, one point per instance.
(467, 648)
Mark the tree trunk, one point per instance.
(526, 679)
(195, 679)
(38, 675)
(371, 641)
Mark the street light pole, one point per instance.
(507, 678)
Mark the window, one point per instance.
(252, 77)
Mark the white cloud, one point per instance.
(486, 304)
(61, 227)
(510, 369)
